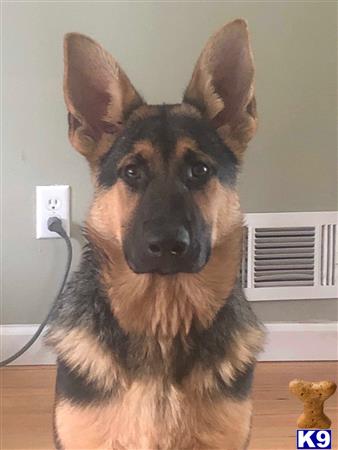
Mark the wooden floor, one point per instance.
(27, 399)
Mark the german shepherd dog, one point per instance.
(156, 343)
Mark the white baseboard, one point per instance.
(301, 342)
(13, 337)
(285, 342)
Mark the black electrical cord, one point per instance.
(54, 224)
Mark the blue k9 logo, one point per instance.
(313, 439)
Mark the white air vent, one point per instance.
(290, 256)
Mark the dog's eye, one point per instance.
(199, 171)
(132, 172)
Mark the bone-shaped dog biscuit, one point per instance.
(313, 395)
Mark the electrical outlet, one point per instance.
(51, 201)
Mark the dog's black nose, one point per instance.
(172, 243)
(164, 248)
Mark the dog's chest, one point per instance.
(151, 416)
(148, 415)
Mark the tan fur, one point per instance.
(221, 209)
(185, 144)
(84, 354)
(244, 346)
(239, 136)
(145, 149)
(148, 152)
(200, 381)
(185, 109)
(111, 211)
(151, 415)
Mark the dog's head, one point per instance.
(164, 175)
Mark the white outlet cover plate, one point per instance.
(52, 201)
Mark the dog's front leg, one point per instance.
(79, 427)
(224, 425)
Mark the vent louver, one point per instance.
(284, 256)
(289, 256)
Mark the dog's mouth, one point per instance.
(168, 264)
(166, 270)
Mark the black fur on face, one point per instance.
(167, 232)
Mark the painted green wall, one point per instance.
(290, 166)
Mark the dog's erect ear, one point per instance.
(98, 95)
(222, 85)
